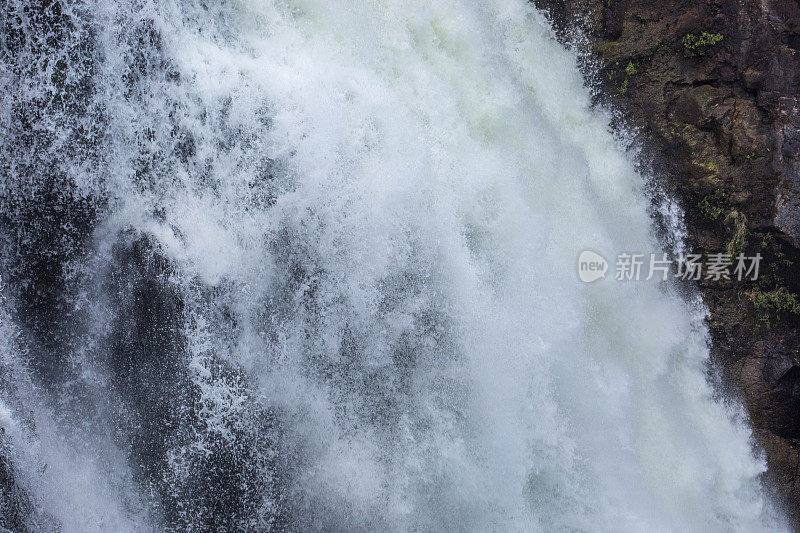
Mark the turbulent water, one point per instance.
(311, 265)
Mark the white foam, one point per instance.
(406, 300)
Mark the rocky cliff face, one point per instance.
(713, 88)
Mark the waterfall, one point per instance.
(311, 265)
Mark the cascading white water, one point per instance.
(370, 214)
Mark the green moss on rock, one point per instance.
(695, 45)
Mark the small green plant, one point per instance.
(738, 242)
(630, 70)
(698, 45)
(709, 166)
(776, 264)
(778, 299)
(710, 209)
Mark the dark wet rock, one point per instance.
(18, 511)
(15, 506)
(714, 90)
(225, 472)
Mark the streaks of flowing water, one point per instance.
(310, 265)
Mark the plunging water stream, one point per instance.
(310, 265)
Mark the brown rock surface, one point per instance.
(714, 89)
